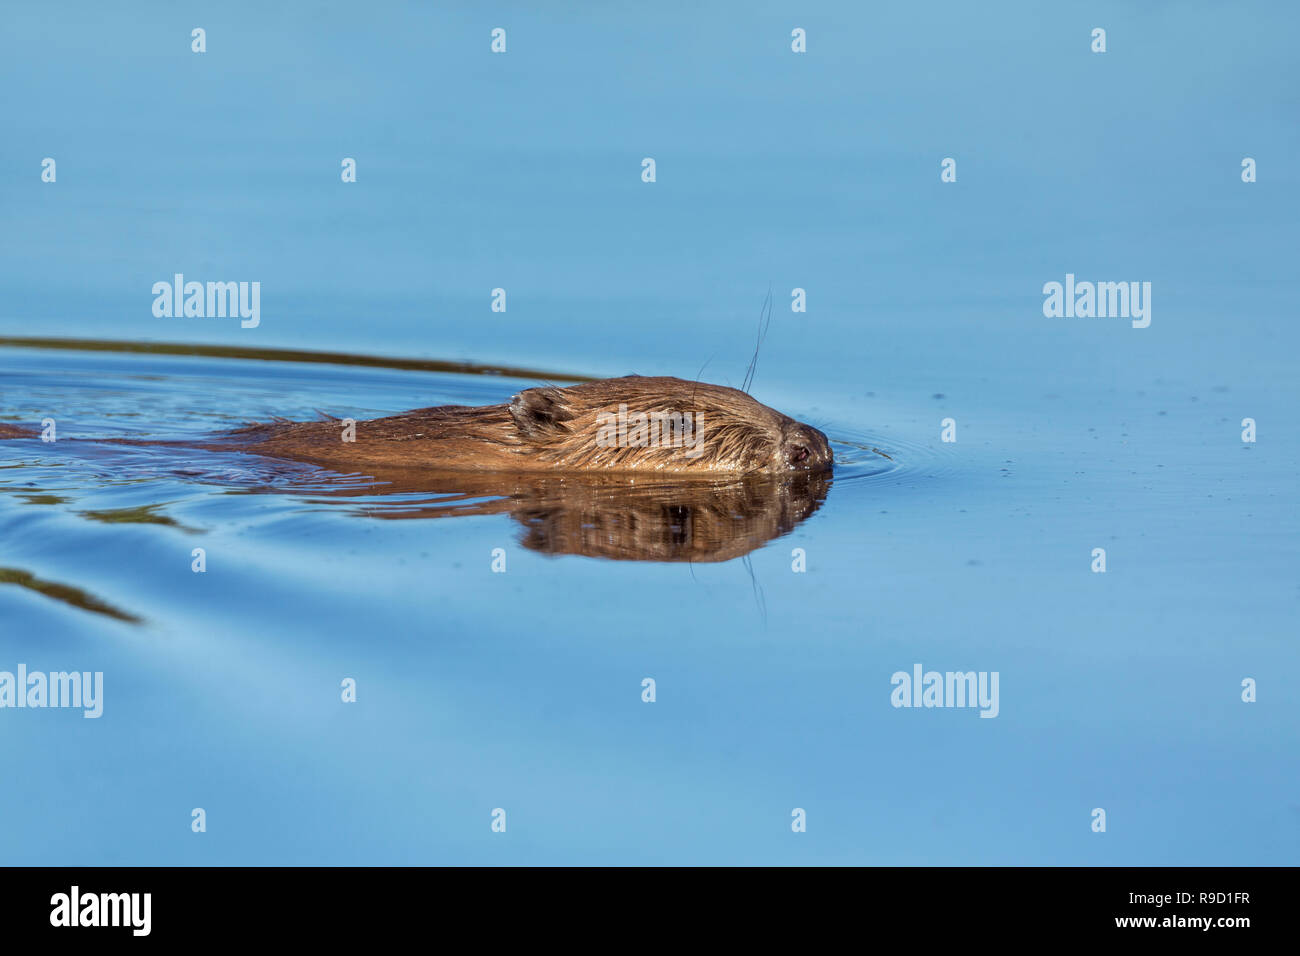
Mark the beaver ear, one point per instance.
(539, 411)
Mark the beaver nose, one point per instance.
(806, 448)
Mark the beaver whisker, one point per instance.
(762, 334)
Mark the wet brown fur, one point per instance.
(555, 430)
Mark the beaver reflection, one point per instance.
(645, 520)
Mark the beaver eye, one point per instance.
(797, 454)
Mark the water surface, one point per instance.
(522, 690)
(776, 171)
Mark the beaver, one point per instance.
(634, 424)
(632, 468)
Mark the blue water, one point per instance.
(522, 690)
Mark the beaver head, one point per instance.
(663, 424)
